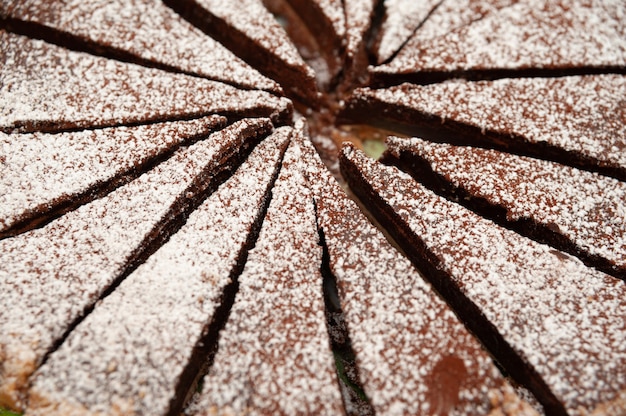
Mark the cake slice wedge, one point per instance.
(43, 175)
(528, 38)
(573, 210)
(412, 354)
(142, 347)
(145, 32)
(555, 325)
(44, 87)
(248, 29)
(51, 277)
(576, 120)
(274, 353)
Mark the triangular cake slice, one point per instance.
(576, 211)
(248, 29)
(44, 87)
(554, 324)
(117, 359)
(576, 120)
(412, 352)
(43, 175)
(50, 277)
(274, 353)
(529, 37)
(145, 32)
(400, 20)
(359, 17)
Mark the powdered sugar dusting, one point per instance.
(358, 19)
(583, 115)
(404, 336)
(274, 355)
(253, 19)
(46, 86)
(148, 29)
(564, 319)
(49, 276)
(402, 17)
(39, 171)
(530, 34)
(133, 347)
(585, 207)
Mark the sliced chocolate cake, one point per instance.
(40, 177)
(535, 36)
(577, 120)
(412, 353)
(50, 277)
(274, 353)
(576, 211)
(44, 87)
(248, 29)
(401, 19)
(146, 32)
(554, 324)
(162, 312)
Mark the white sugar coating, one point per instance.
(404, 336)
(274, 354)
(251, 18)
(453, 14)
(44, 85)
(401, 19)
(49, 276)
(564, 319)
(585, 207)
(333, 10)
(530, 34)
(358, 20)
(147, 29)
(39, 171)
(131, 350)
(583, 115)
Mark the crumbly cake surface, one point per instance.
(565, 320)
(580, 115)
(585, 207)
(413, 354)
(529, 34)
(39, 171)
(147, 29)
(276, 332)
(161, 310)
(46, 87)
(52, 275)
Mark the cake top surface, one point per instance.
(559, 197)
(40, 171)
(583, 115)
(404, 345)
(161, 309)
(563, 318)
(276, 329)
(48, 87)
(47, 286)
(530, 34)
(147, 29)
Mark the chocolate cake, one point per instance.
(550, 202)
(141, 31)
(49, 88)
(40, 179)
(276, 330)
(134, 134)
(554, 324)
(412, 352)
(162, 310)
(52, 276)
